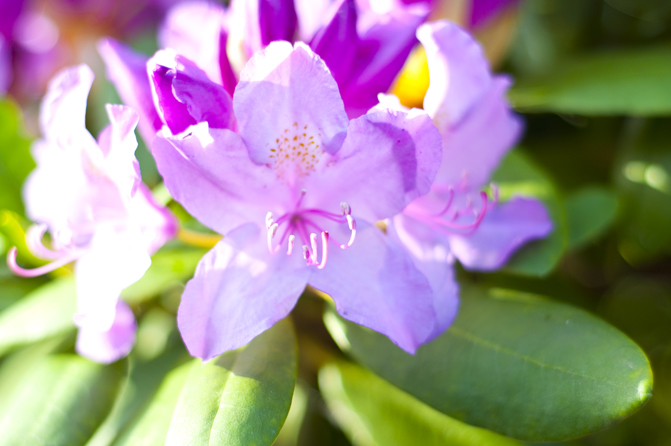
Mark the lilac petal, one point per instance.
(156, 223)
(388, 159)
(5, 65)
(107, 346)
(112, 263)
(474, 148)
(64, 106)
(431, 255)
(336, 42)
(484, 10)
(311, 15)
(505, 228)
(266, 21)
(385, 44)
(185, 95)
(239, 290)
(194, 30)
(118, 143)
(210, 173)
(283, 93)
(375, 283)
(127, 70)
(459, 72)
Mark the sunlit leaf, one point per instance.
(60, 402)
(15, 160)
(624, 82)
(239, 398)
(516, 364)
(375, 413)
(517, 176)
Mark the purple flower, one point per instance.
(294, 187)
(364, 49)
(89, 195)
(469, 108)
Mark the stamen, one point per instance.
(495, 193)
(325, 249)
(16, 269)
(352, 227)
(290, 248)
(269, 220)
(470, 227)
(449, 203)
(306, 254)
(272, 231)
(313, 245)
(346, 210)
(34, 242)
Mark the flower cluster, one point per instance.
(270, 124)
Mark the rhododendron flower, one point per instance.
(89, 195)
(294, 187)
(364, 50)
(469, 108)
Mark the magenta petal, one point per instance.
(265, 21)
(459, 72)
(285, 91)
(5, 65)
(210, 173)
(239, 290)
(484, 10)
(127, 70)
(475, 147)
(505, 228)
(109, 345)
(384, 45)
(388, 159)
(375, 283)
(194, 30)
(173, 113)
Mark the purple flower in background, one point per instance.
(89, 195)
(364, 50)
(478, 13)
(294, 186)
(469, 108)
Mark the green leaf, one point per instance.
(624, 82)
(517, 364)
(15, 160)
(168, 267)
(239, 398)
(517, 176)
(589, 213)
(61, 402)
(43, 313)
(373, 412)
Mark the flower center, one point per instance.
(305, 224)
(296, 152)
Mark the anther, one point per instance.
(351, 223)
(290, 248)
(272, 231)
(269, 220)
(346, 210)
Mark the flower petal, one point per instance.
(63, 110)
(127, 70)
(156, 223)
(286, 93)
(474, 148)
(484, 10)
(265, 21)
(209, 172)
(198, 31)
(388, 159)
(107, 346)
(239, 290)
(459, 72)
(5, 65)
(505, 228)
(375, 283)
(184, 94)
(112, 263)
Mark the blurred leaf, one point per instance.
(517, 176)
(373, 412)
(239, 398)
(517, 364)
(589, 213)
(623, 82)
(15, 160)
(61, 402)
(168, 267)
(44, 313)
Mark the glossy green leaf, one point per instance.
(589, 213)
(517, 176)
(625, 82)
(239, 398)
(43, 313)
(15, 160)
(61, 401)
(374, 413)
(167, 268)
(517, 364)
